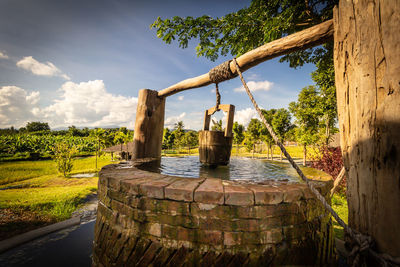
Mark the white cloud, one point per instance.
(3, 55)
(89, 104)
(245, 115)
(181, 97)
(256, 86)
(84, 104)
(170, 121)
(17, 106)
(41, 69)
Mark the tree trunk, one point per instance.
(327, 130)
(304, 155)
(254, 147)
(268, 151)
(272, 152)
(367, 71)
(237, 149)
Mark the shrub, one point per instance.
(330, 161)
(63, 153)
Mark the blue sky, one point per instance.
(82, 63)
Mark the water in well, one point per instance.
(239, 168)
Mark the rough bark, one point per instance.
(310, 37)
(149, 124)
(367, 73)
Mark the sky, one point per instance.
(83, 62)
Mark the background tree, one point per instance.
(238, 135)
(119, 138)
(99, 135)
(63, 155)
(37, 126)
(307, 113)
(168, 139)
(281, 124)
(266, 137)
(217, 126)
(179, 133)
(190, 139)
(324, 78)
(253, 134)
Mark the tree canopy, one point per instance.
(239, 32)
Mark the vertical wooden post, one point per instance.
(149, 124)
(367, 71)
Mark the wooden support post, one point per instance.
(149, 125)
(337, 181)
(367, 71)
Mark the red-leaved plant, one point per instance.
(330, 161)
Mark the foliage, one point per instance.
(238, 133)
(217, 126)
(168, 139)
(179, 133)
(63, 156)
(330, 161)
(307, 114)
(190, 139)
(37, 126)
(238, 32)
(253, 134)
(281, 123)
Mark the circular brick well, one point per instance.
(147, 218)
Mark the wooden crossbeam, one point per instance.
(307, 38)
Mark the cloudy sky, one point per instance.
(82, 63)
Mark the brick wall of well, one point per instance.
(148, 219)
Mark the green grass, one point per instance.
(22, 170)
(36, 186)
(339, 204)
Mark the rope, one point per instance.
(218, 95)
(363, 243)
(221, 73)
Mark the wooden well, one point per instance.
(215, 146)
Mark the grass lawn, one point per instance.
(32, 193)
(339, 204)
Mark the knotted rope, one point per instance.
(221, 73)
(218, 74)
(362, 243)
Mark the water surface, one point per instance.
(239, 168)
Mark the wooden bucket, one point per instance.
(215, 146)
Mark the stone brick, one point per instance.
(208, 237)
(131, 186)
(266, 194)
(172, 220)
(154, 229)
(155, 188)
(295, 232)
(182, 189)
(248, 225)
(272, 236)
(292, 193)
(270, 222)
(210, 191)
(237, 195)
(163, 206)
